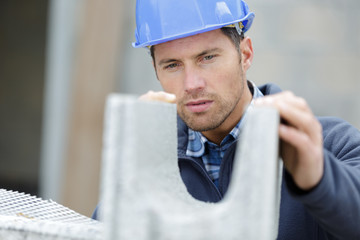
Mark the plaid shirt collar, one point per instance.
(197, 142)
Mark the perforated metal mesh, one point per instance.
(26, 217)
(13, 203)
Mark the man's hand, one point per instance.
(301, 135)
(158, 96)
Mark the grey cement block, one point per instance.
(143, 196)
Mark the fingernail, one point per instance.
(171, 97)
(259, 101)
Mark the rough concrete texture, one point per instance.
(144, 198)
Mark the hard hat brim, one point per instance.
(248, 18)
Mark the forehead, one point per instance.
(195, 43)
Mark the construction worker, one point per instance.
(201, 57)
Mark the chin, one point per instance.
(202, 126)
(202, 122)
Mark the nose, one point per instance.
(194, 81)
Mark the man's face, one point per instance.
(206, 74)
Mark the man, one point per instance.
(201, 56)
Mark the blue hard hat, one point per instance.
(159, 21)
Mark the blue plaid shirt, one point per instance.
(211, 153)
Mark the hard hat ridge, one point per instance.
(160, 21)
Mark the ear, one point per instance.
(247, 53)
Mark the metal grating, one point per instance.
(26, 217)
(13, 203)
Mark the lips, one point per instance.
(199, 106)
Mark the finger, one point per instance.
(158, 96)
(305, 121)
(284, 97)
(294, 137)
(295, 101)
(296, 112)
(302, 158)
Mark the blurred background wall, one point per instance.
(312, 48)
(22, 64)
(60, 59)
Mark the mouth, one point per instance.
(199, 106)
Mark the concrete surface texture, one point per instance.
(143, 196)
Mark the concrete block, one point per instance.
(143, 196)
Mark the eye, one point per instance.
(171, 66)
(209, 57)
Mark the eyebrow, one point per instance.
(166, 61)
(208, 51)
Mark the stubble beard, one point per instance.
(219, 112)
